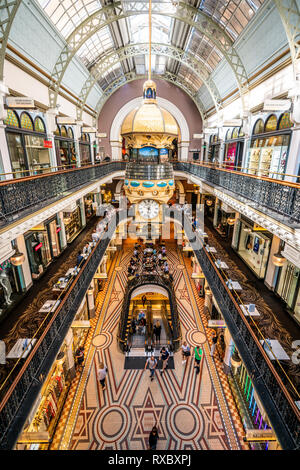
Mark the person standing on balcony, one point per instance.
(214, 344)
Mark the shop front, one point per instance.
(213, 149)
(234, 146)
(89, 206)
(288, 281)
(72, 221)
(38, 250)
(65, 147)
(269, 148)
(41, 424)
(12, 286)
(27, 143)
(253, 246)
(85, 149)
(224, 220)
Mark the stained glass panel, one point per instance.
(26, 122)
(285, 121)
(63, 131)
(259, 127)
(271, 124)
(70, 133)
(39, 126)
(12, 119)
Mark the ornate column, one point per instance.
(70, 364)
(228, 351)
(208, 301)
(116, 150)
(183, 151)
(91, 300)
(50, 117)
(77, 134)
(62, 233)
(5, 162)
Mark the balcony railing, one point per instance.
(149, 171)
(280, 197)
(23, 384)
(22, 196)
(272, 389)
(140, 281)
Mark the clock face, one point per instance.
(148, 209)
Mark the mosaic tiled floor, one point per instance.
(191, 411)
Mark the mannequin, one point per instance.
(7, 290)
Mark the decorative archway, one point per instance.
(136, 102)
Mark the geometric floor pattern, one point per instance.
(191, 411)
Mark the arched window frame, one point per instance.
(16, 117)
(255, 125)
(38, 118)
(272, 116)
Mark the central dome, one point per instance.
(149, 118)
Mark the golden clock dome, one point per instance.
(149, 118)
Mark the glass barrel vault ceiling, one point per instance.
(232, 15)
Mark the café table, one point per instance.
(18, 351)
(277, 349)
(222, 264)
(245, 309)
(49, 305)
(234, 286)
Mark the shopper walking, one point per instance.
(164, 356)
(198, 357)
(144, 300)
(153, 438)
(102, 371)
(79, 355)
(214, 344)
(157, 331)
(186, 352)
(152, 362)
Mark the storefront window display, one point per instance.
(85, 149)
(89, 206)
(213, 149)
(27, 144)
(10, 286)
(254, 247)
(38, 250)
(234, 145)
(269, 147)
(53, 233)
(287, 287)
(39, 433)
(65, 147)
(73, 224)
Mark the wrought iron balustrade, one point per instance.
(146, 171)
(280, 197)
(22, 196)
(277, 400)
(19, 392)
(142, 280)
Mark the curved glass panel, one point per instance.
(26, 122)
(63, 131)
(271, 124)
(12, 119)
(285, 121)
(148, 184)
(39, 125)
(259, 127)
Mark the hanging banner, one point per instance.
(48, 144)
(66, 120)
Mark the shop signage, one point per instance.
(198, 136)
(66, 120)
(101, 135)
(210, 130)
(258, 228)
(216, 324)
(277, 105)
(90, 130)
(20, 102)
(291, 254)
(48, 144)
(38, 246)
(233, 123)
(260, 435)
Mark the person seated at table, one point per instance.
(95, 236)
(86, 249)
(79, 258)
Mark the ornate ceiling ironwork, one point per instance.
(111, 59)
(111, 13)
